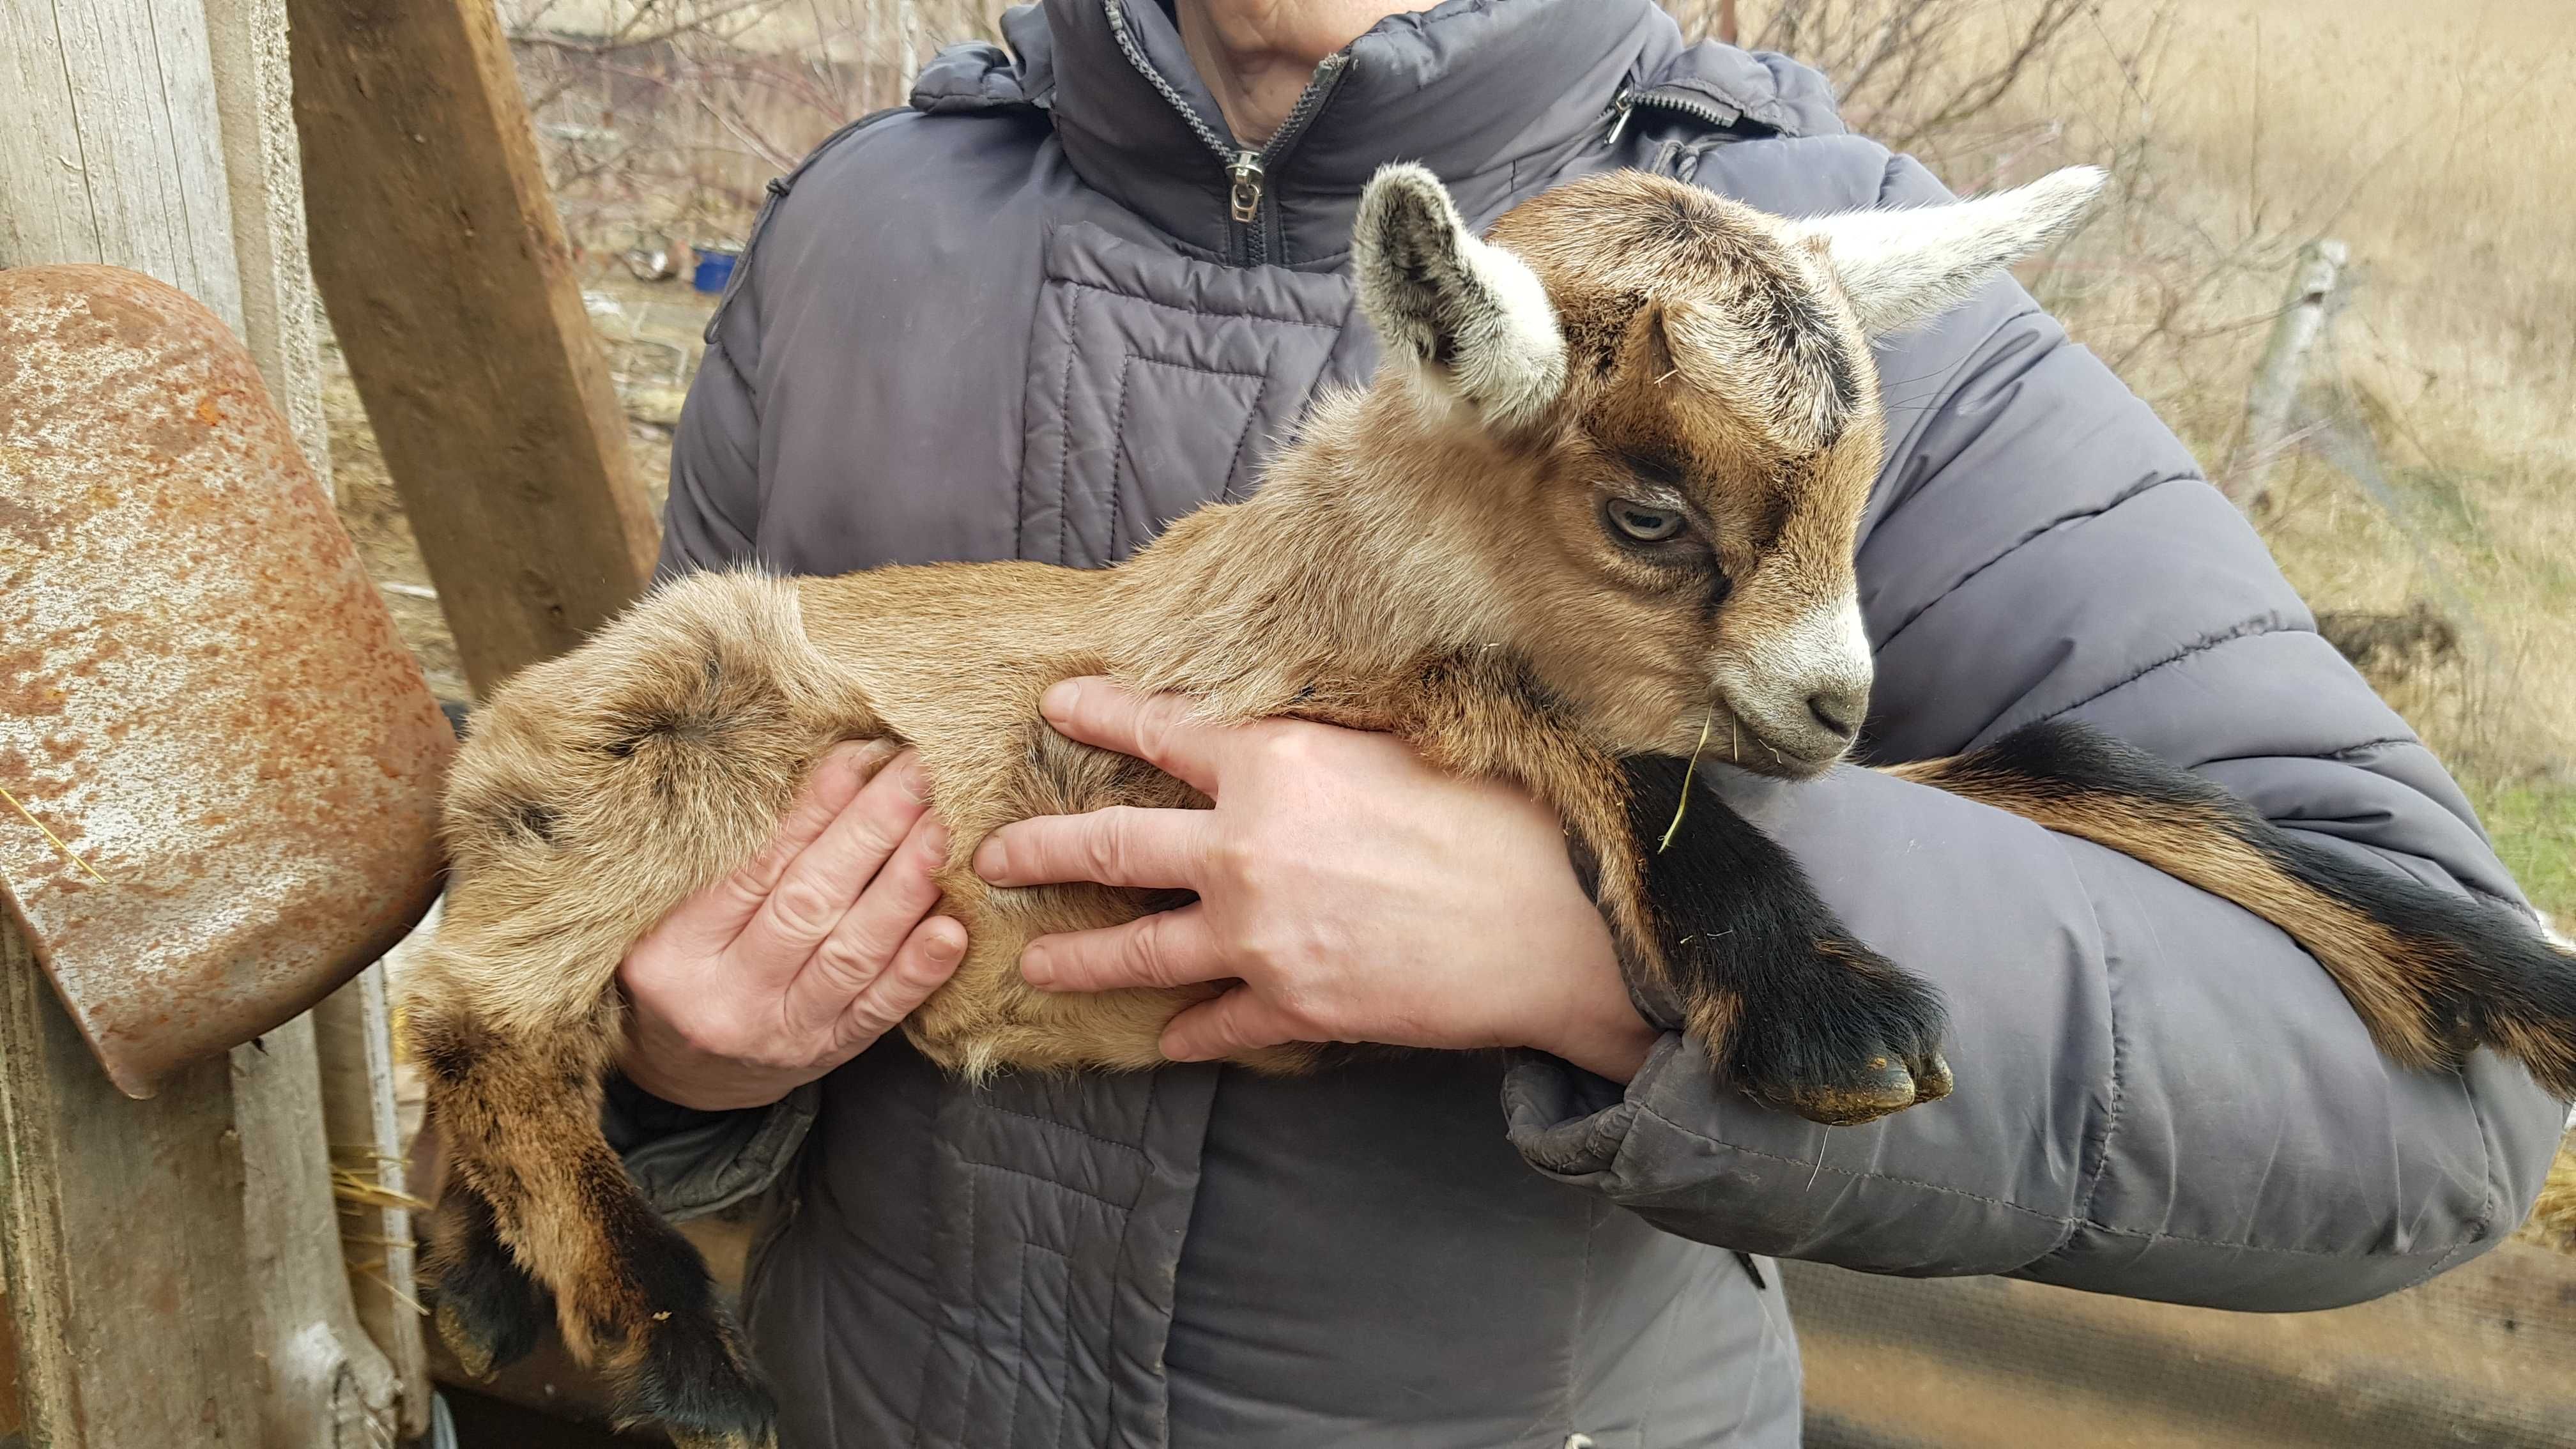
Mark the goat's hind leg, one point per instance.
(595, 792)
(487, 1308)
(2431, 972)
(1798, 1012)
(538, 1210)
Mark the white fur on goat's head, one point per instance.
(1674, 423)
(1469, 318)
(1904, 266)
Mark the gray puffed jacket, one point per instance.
(1019, 320)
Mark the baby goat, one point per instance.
(1597, 512)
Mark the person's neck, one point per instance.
(1256, 56)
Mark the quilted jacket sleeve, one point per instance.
(2159, 1095)
(715, 455)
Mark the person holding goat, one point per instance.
(1084, 285)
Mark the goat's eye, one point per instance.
(1643, 523)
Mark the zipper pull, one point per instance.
(1246, 171)
(1620, 110)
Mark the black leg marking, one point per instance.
(1799, 1012)
(486, 1306)
(685, 1366)
(2474, 971)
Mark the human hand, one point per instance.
(1356, 893)
(805, 956)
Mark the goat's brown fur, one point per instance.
(2196, 844)
(2431, 973)
(1426, 560)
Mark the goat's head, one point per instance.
(1660, 409)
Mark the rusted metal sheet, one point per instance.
(224, 764)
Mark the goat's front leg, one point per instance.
(1719, 925)
(1795, 1009)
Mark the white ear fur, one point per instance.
(1471, 317)
(1902, 268)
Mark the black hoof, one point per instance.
(1877, 1089)
(487, 1309)
(1843, 1038)
(696, 1381)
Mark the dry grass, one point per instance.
(2430, 145)
(2553, 1220)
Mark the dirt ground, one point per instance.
(2475, 1357)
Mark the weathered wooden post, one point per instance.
(908, 17)
(2276, 379)
(105, 1249)
(451, 288)
(174, 1268)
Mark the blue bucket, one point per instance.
(715, 268)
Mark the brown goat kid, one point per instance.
(1596, 514)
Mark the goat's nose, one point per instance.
(1840, 711)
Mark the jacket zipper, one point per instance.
(1247, 172)
(1666, 100)
(1252, 168)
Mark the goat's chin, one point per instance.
(1792, 767)
(1742, 741)
(1776, 767)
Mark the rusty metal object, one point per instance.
(225, 766)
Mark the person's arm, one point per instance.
(2158, 1094)
(707, 521)
(750, 991)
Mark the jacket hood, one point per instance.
(1489, 94)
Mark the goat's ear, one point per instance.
(1902, 268)
(1471, 316)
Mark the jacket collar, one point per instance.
(1494, 96)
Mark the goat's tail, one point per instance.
(2433, 973)
(593, 793)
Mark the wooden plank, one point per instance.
(326, 1382)
(354, 1038)
(129, 112)
(107, 1251)
(174, 1271)
(13, 1419)
(279, 323)
(449, 283)
(44, 186)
